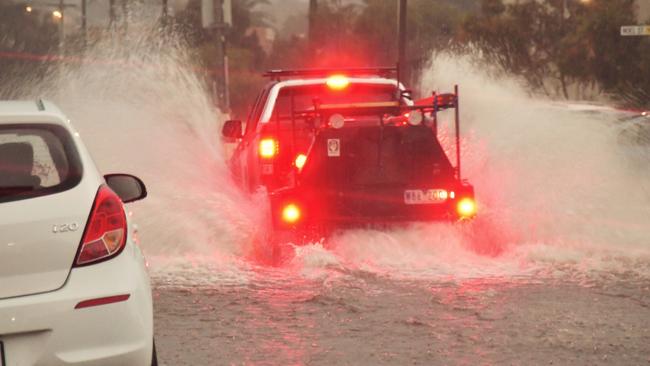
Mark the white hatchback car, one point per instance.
(74, 288)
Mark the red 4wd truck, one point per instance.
(347, 148)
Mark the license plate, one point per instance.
(424, 196)
(2, 355)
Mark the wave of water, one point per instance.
(558, 191)
(142, 108)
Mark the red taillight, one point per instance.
(466, 208)
(105, 233)
(268, 148)
(300, 161)
(291, 213)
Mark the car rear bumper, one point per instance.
(46, 329)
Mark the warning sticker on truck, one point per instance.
(333, 147)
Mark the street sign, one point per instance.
(635, 30)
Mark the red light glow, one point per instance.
(466, 208)
(268, 148)
(291, 213)
(300, 161)
(338, 82)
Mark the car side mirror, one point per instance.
(232, 129)
(128, 187)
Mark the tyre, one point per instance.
(280, 243)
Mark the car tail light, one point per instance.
(466, 208)
(106, 230)
(300, 161)
(338, 82)
(268, 148)
(291, 213)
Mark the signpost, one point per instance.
(635, 30)
(402, 62)
(217, 15)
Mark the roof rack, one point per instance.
(361, 71)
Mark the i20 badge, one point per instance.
(64, 228)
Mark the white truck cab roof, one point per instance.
(275, 90)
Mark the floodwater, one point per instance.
(555, 269)
(363, 319)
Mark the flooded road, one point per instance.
(363, 319)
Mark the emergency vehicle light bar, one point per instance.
(360, 71)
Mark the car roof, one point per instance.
(275, 89)
(30, 111)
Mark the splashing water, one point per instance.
(558, 192)
(142, 108)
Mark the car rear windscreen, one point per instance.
(36, 160)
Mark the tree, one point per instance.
(522, 38)
(246, 57)
(619, 64)
(582, 48)
(353, 34)
(24, 34)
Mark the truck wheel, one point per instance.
(280, 242)
(276, 253)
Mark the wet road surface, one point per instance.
(364, 319)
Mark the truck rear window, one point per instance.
(36, 160)
(303, 97)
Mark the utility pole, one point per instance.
(219, 19)
(226, 23)
(165, 10)
(61, 28)
(111, 13)
(402, 61)
(125, 17)
(84, 24)
(313, 11)
(566, 14)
